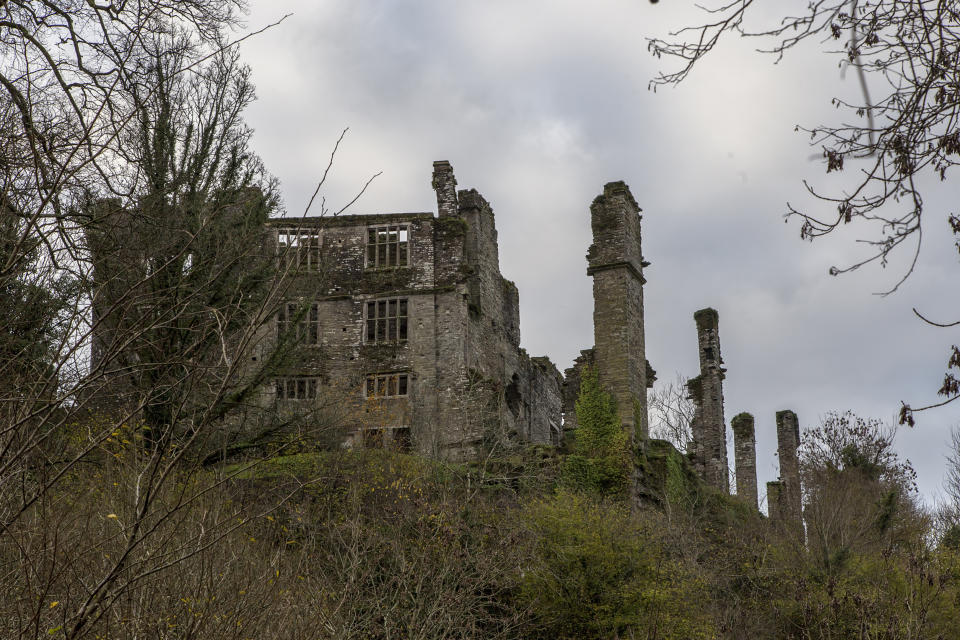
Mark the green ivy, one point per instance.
(600, 460)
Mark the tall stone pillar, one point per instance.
(788, 441)
(445, 184)
(616, 264)
(745, 457)
(709, 427)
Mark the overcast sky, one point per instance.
(539, 103)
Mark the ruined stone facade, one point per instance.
(409, 315)
(405, 321)
(745, 457)
(706, 391)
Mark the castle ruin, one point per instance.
(407, 319)
(411, 315)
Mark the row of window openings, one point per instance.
(387, 246)
(385, 321)
(387, 385)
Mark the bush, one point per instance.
(602, 572)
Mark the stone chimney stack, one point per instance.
(616, 264)
(745, 457)
(709, 427)
(788, 441)
(445, 184)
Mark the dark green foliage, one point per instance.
(33, 301)
(182, 279)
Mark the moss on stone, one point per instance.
(450, 226)
(706, 317)
(665, 474)
(666, 478)
(742, 424)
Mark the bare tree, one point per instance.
(137, 293)
(906, 56)
(671, 412)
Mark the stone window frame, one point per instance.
(395, 384)
(387, 246)
(296, 388)
(307, 328)
(306, 241)
(386, 320)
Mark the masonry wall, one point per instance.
(775, 508)
(571, 387)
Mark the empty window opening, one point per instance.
(556, 434)
(401, 439)
(303, 323)
(387, 246)
(513, 397)
(300, 247)
(297, 388)
(386, 321)
(387, 385)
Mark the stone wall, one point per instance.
(775, 501)
(571, 388)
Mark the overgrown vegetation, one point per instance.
(373, 543)
(119, 519)
(600, 461)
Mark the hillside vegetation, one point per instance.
(534, 543)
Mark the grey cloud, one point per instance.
(537, 105)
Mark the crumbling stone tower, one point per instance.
(616, 264)
(445, 185)
(784, 502)
(706, 390)
(745, 457)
